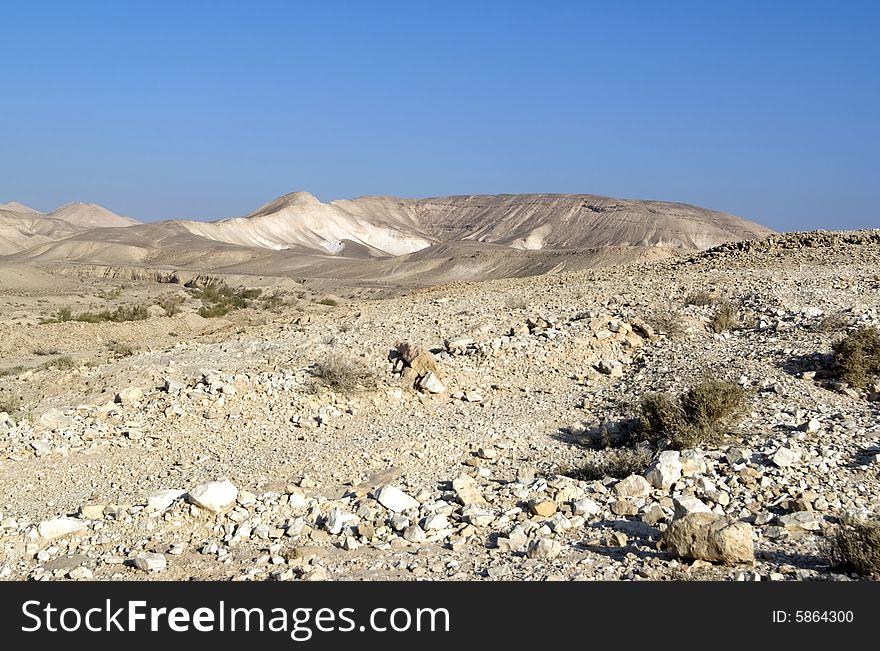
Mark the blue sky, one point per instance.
(206, 109)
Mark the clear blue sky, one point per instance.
(770, 110)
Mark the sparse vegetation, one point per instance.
(344, 373)
(855, 546)
(858, 356)
(41, 351)
(612, 462)
(219, 299)
(119, 349)
(332, 302)
(726, 317)
(171, 304)
(700, 415)
(61, 363)
(10, 405)
(699, 297)
(120, 314)
(212, 311)
(832, 323)
(12, 370)
(667, 322)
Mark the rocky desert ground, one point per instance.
(461, 431)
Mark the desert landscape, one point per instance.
(488, 387)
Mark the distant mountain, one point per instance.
(394, 226)
(89, 215)
(376, 238)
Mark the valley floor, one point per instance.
(306, 409)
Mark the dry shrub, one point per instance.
(612, 462)
(726, 317)
(344, 373)
(700, 415)
(855, 546)
(858, 356)
(699, 297)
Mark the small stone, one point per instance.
(129, 396)
(431, 383)
(665, 471)
(414, 533)
(60, 527)
(436, 522)
(150, 562)
(585, 506)
(162, 500)
(785, 457)
(624, 507)
(466, 491)
(686, 504)
(544, 508)
(544, 549)
(802, 521)
(710, 537)
(610, 367)
(92, 511)
(632, 486)
(394, 499)
(811, 427)
(215, 496)
(80, 574)
(692, 463)
(653, 514)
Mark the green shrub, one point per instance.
(858, 356)
(700, 415)
(218, 299)
(855, 546)
(209, 312)
(332, 302)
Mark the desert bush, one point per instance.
(119, 349)
(832, 323)
(42, 352)
(344, 373)
(667, 322)
(699, 297)
(726, 317)
(700, 415)
(64, 314)
(171, 304)
(212, 311)
(332, 302)
(12, 370)
(130, 313)
(218, 299)
(612, 462)
(855, 546)
(858, 356)
(61, 363)
(10, 405)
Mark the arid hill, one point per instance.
(376, 240)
